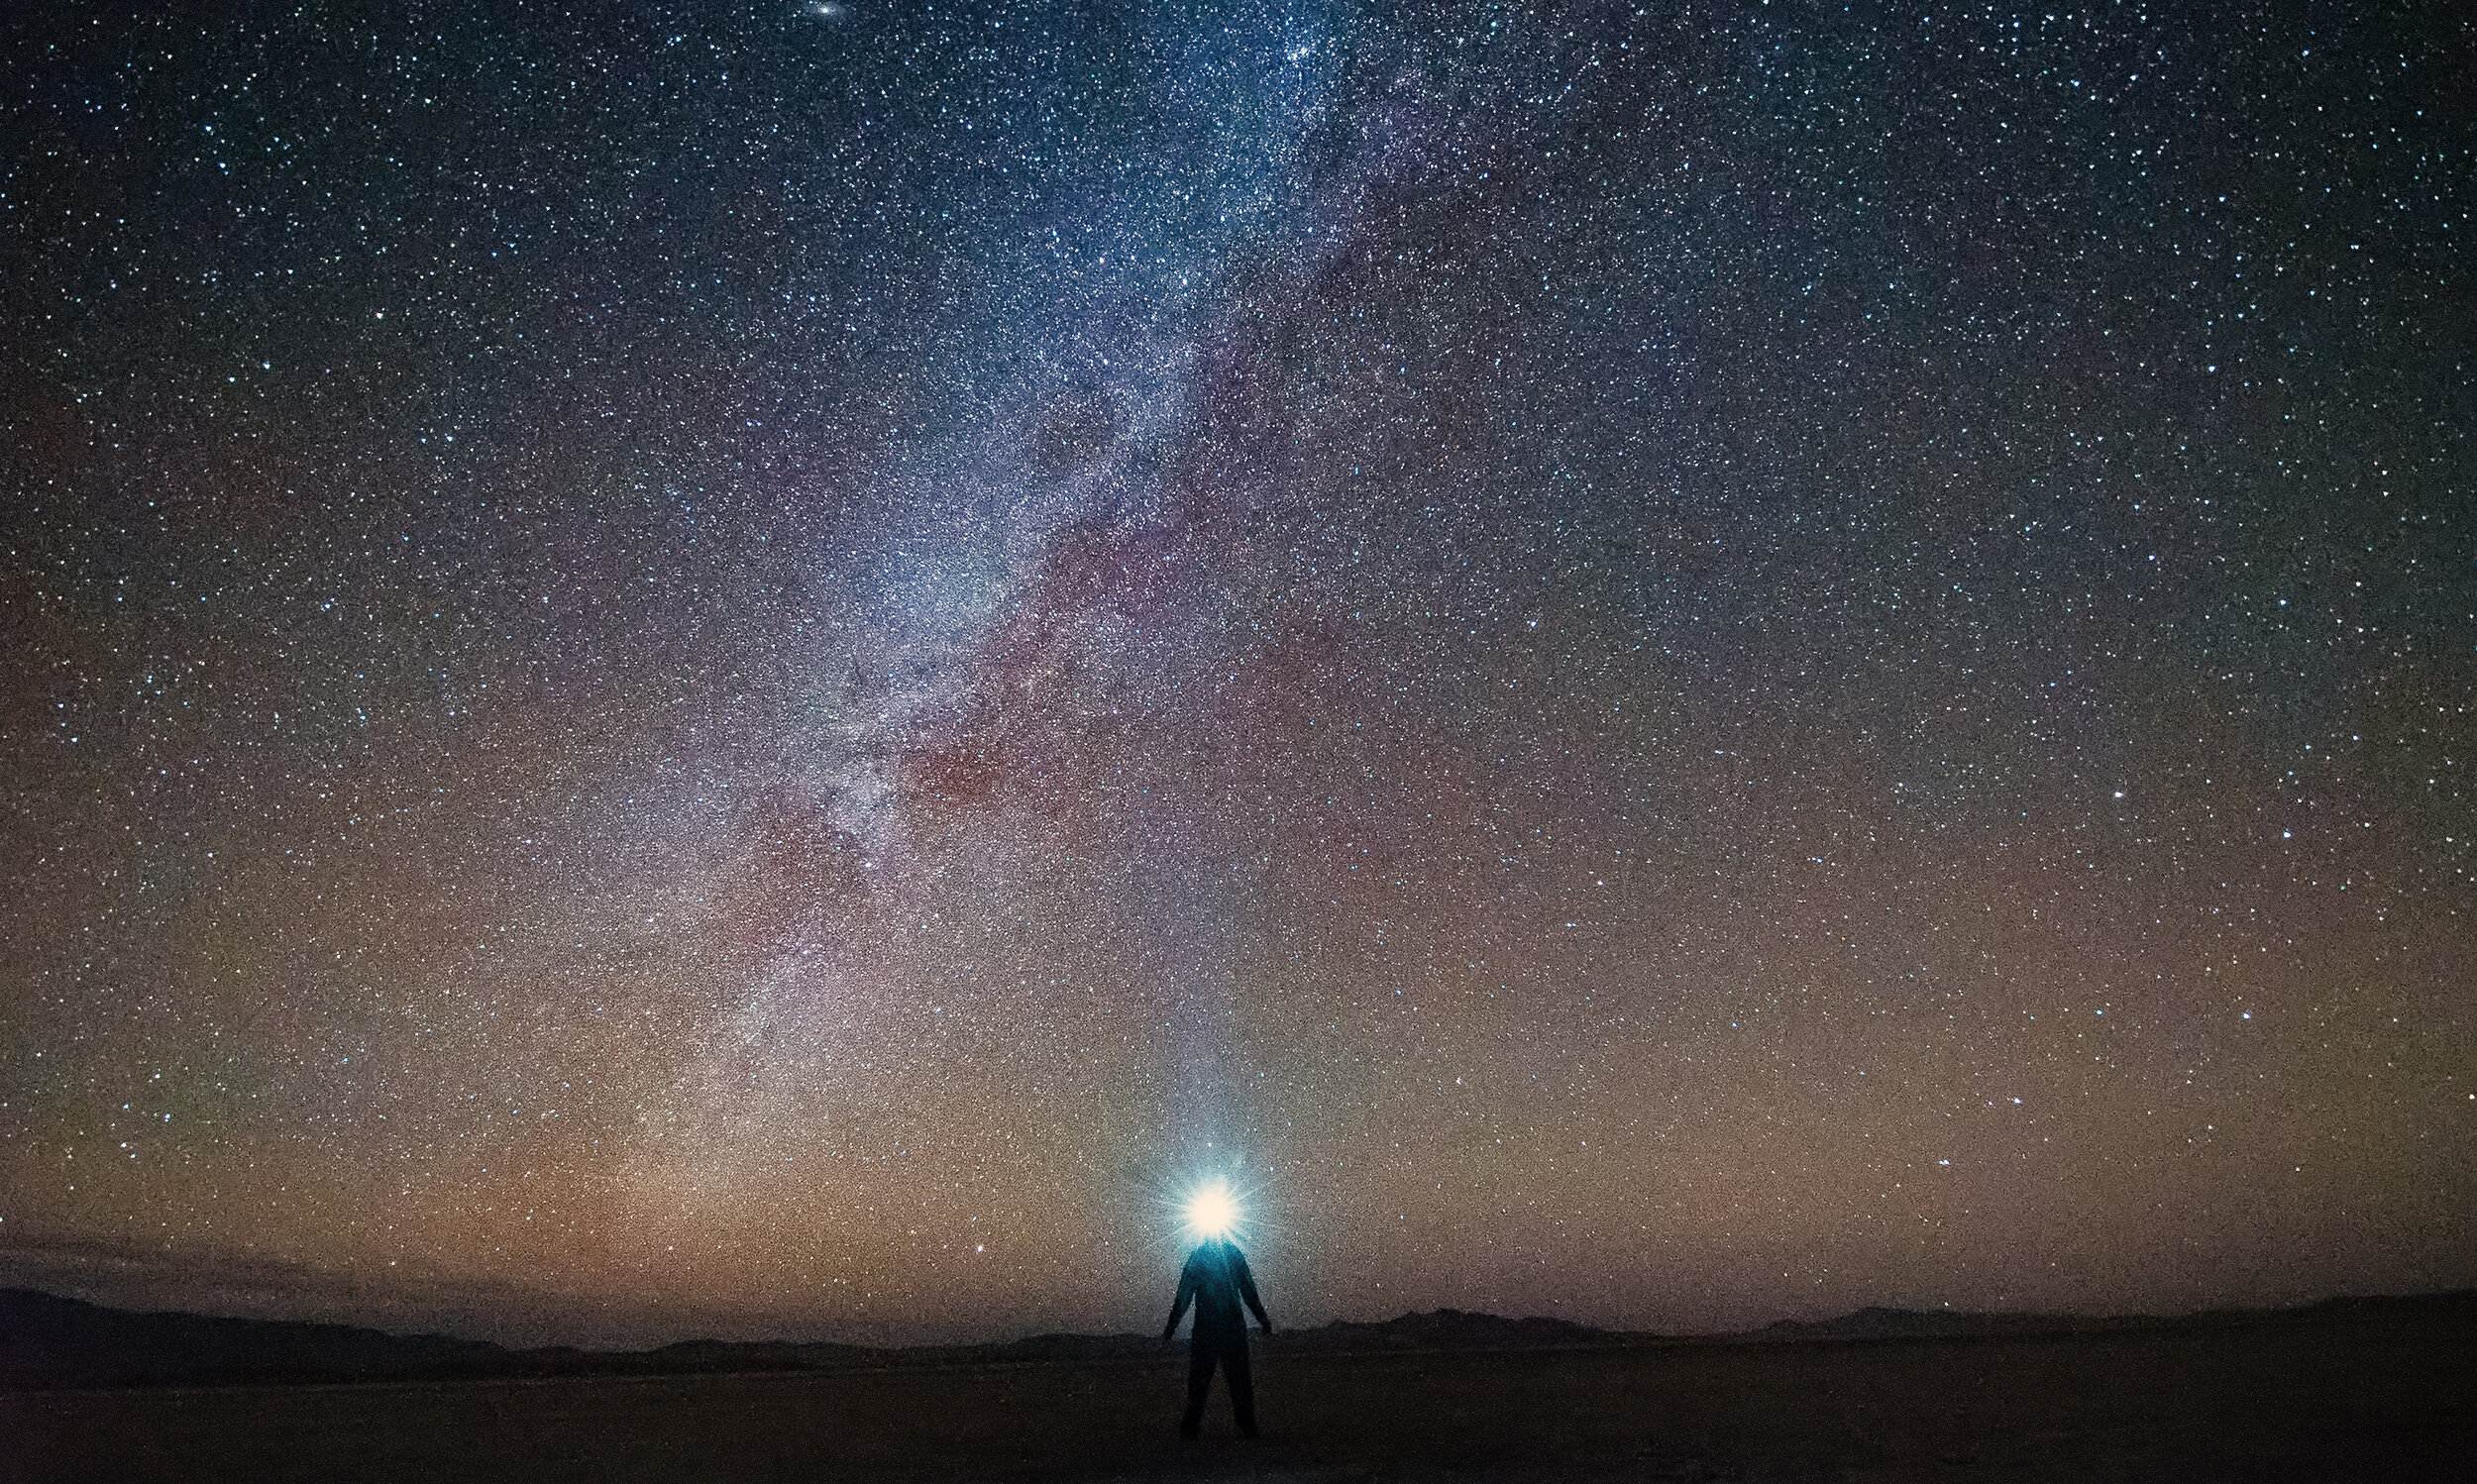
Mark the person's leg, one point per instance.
(1199, 1380)
(1242, 1386)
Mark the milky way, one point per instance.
(761, 670)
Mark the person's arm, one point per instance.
(1178, 1306)
(1246, 1290)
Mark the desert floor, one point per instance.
(2327, 1402)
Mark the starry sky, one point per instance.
(762, 668)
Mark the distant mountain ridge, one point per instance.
(1913, 1324)
(50, 1343)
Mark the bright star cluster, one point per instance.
(746, 669)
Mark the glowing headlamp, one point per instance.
(1211, 1211)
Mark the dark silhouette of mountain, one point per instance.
(1912, 1324)
(48, 1342)
(1051, 1347)
(1454, 1329)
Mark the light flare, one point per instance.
(1211, 1211)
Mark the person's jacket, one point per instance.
(1216, 1279)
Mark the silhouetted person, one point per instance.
(1216, 1279)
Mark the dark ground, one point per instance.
(2364, 1398)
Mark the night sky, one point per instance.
(763, 668)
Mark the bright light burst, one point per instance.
(1211, 1211)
